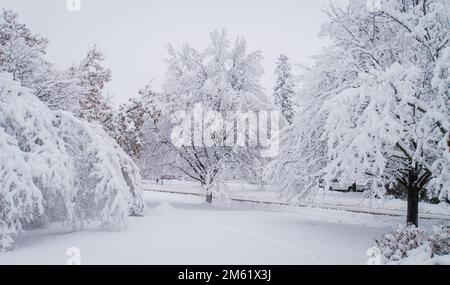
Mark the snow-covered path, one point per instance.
(184, 230)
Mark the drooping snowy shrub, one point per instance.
(440, 241)
(396, 245)
(410, 245)
(55, 167)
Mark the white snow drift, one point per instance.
(54, 167)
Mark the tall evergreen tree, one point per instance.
(284, 88)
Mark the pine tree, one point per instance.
(284, 88)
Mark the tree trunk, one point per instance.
(413, 200)
(207, 187)
(414, 180)
(209, 197)
(413, 206)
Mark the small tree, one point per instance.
(127, 126)
(92, 78)
(284, 88)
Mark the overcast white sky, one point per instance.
(133, 34)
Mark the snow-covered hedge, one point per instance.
(395, 245)
(440, 241)
(409, 245)
(55, 167)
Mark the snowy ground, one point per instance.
(183, 229)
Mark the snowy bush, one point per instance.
(409, 245)
(54, 167)
(440, 241)
(396, 245)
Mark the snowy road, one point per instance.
(348, 208)
(352, 202)
(183, 230)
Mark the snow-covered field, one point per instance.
(181, 229)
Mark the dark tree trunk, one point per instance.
(207, 187)
(417, 179)
(413, 206)
(209, 198)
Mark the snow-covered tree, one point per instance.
(156, 156)
(55, 167)
(284, 88)
(381, 97)
(92, 78)
(78, 89)
(59, 90)
(21, 52)
(127, 126)
(220, 79)
(298, 169)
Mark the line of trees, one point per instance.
(373, 108)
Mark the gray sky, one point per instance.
(133, 34)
